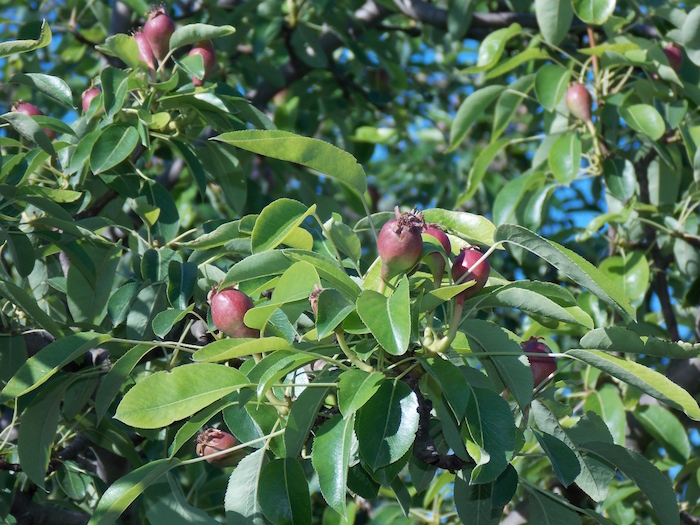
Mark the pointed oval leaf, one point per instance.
(387, 423)
(113, 146)
(333, 308)
(564, 461)
(38, 431)
(165, 397)
(331, 459)
(126, 489)
(594, 12)
(570, 263)
(469, 111)
(645, 119)
(565, 157)
(551, 82)
(653, 483)
(276, 221)
(231, 348)
(471, 227)
(554, 18)
(42, 366)
(242, 500)
(284, 493)
(388, 318)
(193, 33)
(50, 85)
(355, 388)
(643, 378)
(492, 48)
(312, 153)
(24, 46)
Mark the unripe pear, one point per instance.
(145, 51)
(228, 308)
(213, 440)
(435, 261)
(542, 366)
(158, 29)
(206, 50)
(88, 95)
(32, 111)
(579, 102)
(400, 244)
(675, 56)
(467, 258)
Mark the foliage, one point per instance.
(362, 400)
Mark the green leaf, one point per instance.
(284, 493)
(115, 86)
(469, 226)
(312, 153)
(164, 321)
(112, 382)
(21, 250)
(231, 348)
(547, 508)
(565, 157)
(491, 426)
(142, 310)
(195, 423)
(619, 339)
(595, 476)
(88, 293)
(607, 404)
(30, 130)
(13, 353)
(122, 46)
(126, 489)
(182, 281)
(327, 269)
(629, 271)
(333, 308)
(485, 337)
(594, 12)
(388, 318)
(551, 82)
(564, 461)
(261, 264)
(193, 33)
(481, 164)
(492, 48)
(355, 388)
(387, 423)
(469, 111)
(554, 19)
(342, 236)
(165, 503)
(529, 55)
(50, 85)
(665, 428)
(38, 431)
(645, 119)
(620, 178)
(165, 397)
(451, 383)
(652, 482)
(44, 364)
(81, 155)
(473, 501)
(303, 415)
(641, 377)
(568, 262)
(242, 500)
(690, 35)
(113, 146)
(24, 46)
(277, 221)
(536, 299)
(508, 103)
(331, 459)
